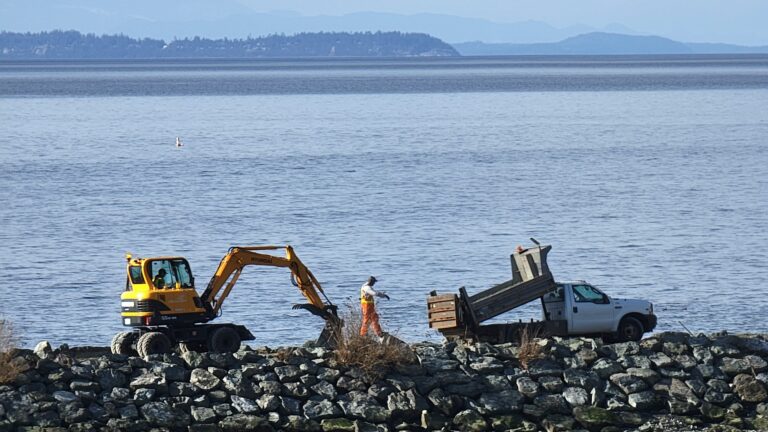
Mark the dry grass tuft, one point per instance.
(530, 350)
(9, 368)
(374, 358)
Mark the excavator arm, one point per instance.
(238, 257)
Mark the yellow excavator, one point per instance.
(162, 306)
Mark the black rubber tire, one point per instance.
(153, 343)
(630, 329)
(224, 339)
(123, 342)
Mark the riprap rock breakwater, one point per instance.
(667, 381)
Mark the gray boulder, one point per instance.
(576, 396)
(243, 405)
(469, 420)
(529, 387)
(323, 409)
(749, 389)
(643, 400)
(161, 414)
(606, 367)
(204, 379)
(245, 422)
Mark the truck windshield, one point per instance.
(588, 294)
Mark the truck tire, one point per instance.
(123, 342)
(630, 329)
(153, 343)
(224, 339)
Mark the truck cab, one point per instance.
(589, 311)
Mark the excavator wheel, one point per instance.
(224, 339)
(153, 343)
(123, 342)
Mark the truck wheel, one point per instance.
(630, 329)
(224, 339)
(153, 343)
(123, 342)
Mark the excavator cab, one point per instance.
(159, 291)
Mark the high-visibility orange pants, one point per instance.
(370, 318)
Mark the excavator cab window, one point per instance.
(167, 273)
(135, 273)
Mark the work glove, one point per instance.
(383, 295)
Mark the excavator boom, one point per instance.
(238, 257)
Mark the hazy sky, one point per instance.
(736, 21)
(732, 21)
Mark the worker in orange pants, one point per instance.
(368, 306)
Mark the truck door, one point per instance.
(591, 310)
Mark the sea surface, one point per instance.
(648, 175)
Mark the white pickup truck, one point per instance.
(572, 308)
(589, 311)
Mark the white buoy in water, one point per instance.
(178, 142)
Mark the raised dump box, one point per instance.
(461, 315)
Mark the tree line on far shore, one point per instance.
(72, 44)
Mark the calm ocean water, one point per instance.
(648, 175)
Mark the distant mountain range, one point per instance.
(75, 45)
(598, 43)
(169, 19)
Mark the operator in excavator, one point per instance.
(370, 317)
(159, 280)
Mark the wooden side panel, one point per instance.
(443, 311)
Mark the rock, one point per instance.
(594, 417)
(487, 365)
(618, 350)
(161, 414)
(268, 402)
(512, 423)
(643, 400)
(580, 378)
(529, 387)
(702, 354)
(447, 404)
(556, 422)
(204, 379)
(337, 425)
(84, 386)
(43, 349)
(551, 384)
(541, 367)
(758, 364)
(661, 360)
(606, 367)
(245, 422)
(170, 371)
(110, 378)
(325, 389)
(734, 366)
(650, 376)
(323, 409)
(203, 414)
(129, 412)
(149, 381)
(576, 396)
(246, 406)
(300, 424)
(472, 389)
(712, 412)
(182, 389)
(364, 409)
(504, 402)
(553, 404)
(328, 374)
(407, 404)
(288, 373)
(64, 396)
(749, 389)
(290, 405)
(469, 420)
(628, 383)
